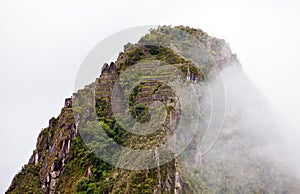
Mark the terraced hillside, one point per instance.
(135, 101)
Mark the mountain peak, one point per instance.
(134, 95)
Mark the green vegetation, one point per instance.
(141, 113)
(102, 107)
(27, 181)
(77, 165)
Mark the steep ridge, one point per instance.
(65, 159)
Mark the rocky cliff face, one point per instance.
(50, 156)
(63, 163)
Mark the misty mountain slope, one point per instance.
(243, 158)
(85, 149)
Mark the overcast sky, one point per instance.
(43, 43)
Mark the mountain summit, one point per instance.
(142, 127)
